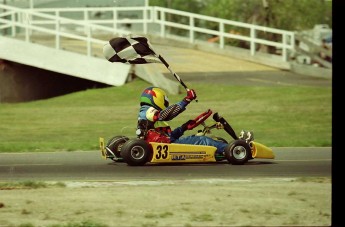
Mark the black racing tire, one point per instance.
(115, 145)
(136, 152)
(238, 152)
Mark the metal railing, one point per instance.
(88, 23)
(18, 23)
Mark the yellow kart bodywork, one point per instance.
(173, 152)
(261, 151)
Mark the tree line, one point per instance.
(292, 15)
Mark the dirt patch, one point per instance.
(211, 202)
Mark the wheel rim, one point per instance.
(137, 152)
(239, 152)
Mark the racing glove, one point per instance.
(191, 95)
(190, 124)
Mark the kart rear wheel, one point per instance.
(238, 152)
(136, 152)
(114, 145)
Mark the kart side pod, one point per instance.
(261, 151)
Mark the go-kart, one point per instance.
(137, 151)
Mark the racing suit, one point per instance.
(150, 118)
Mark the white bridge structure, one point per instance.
(70, 40)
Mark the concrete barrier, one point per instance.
(64, 62)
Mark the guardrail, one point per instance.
(91, 22)
(250, 33)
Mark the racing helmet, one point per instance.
(155, 97)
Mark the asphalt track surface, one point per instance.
(90, 166)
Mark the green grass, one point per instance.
(281, 116)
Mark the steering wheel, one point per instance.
(200, 119)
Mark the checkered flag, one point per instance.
(134, 50)
(130, 50)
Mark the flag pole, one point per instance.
(172, 72)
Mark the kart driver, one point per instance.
(154, 113)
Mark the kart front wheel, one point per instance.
(238, 152)
(114, 145)
(136, 152)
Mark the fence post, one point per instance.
(27, 30)
(57, 29)
(284, 49)
(252, 40)
(162, 23)
(145, 20)
(86, 18)
(89, 51)
(13, 26)
(191, 30)
(221, 36)
(114, 20)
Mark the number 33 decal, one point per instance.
(162, 152)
